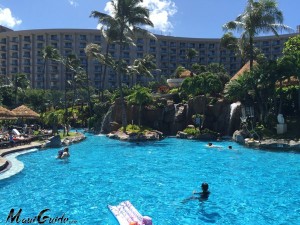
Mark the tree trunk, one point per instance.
(104, 73)
(251, 52)
(119, 76)
(140, 109)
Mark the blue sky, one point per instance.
(183, 18)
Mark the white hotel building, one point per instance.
(20, 53)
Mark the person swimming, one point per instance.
(62, 154)
(203, 196)
(205, 192)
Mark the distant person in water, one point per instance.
(230, 147)
(63, 154)
(210, 144)
(203, 196)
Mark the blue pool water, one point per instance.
(247, 186)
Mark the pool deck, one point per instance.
(4, 163)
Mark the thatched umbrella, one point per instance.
(6, 114)
(25, 112)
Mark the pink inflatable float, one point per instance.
(127, 214)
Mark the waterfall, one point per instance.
(233, 108)
(105, 126)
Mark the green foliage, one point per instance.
(174, 91)
(205, 83)
(132, 128)
(192, 131)
(238, 89)
(140, 96)
(7, 95)
(179, 70)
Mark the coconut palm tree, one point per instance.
(127, 17)
(48, 53)
(229, 42)
(262, 16)
(191, 54)
(143, 67)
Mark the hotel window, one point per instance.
(82, 45)
(265, 43)
(40, 38)
(182, 52)
(54, 44)
(172, 44)
(81, 53)
(112, 47)
(3, 71)
(27, 38)
(27, 69)
(201, 45)
(26, 54)
(152, 49)
(40, 45)
(192, 45)
(68, 45)
(3, 40)
(182, 45)
(126, 54)
(26, 46)
(139, 55)
(54, 37)
(14, 39)
(14, 47)
(97, 38)
(82, 37)
(98, 69)
(152, 42)
(14, 62)
(140, 41)
(211, 46)
(68, 52)
(27, 62)
(276, 42)
(68, 37)
(14, 55)
(163, 43)
(3, 56)
(140, 48)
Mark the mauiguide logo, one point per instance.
(43, 217)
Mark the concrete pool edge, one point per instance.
(4, 163)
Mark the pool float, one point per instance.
(127, 214)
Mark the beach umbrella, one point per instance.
(25, 112)
(6, 114)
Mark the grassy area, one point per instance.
(71, 134)
(132, 128)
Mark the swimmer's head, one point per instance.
(204, 186)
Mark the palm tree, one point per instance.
(143, 67)
(262, 16)
(126, 19)
(228, 41)
(48, 53)
(192, 53)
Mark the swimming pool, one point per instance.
(247, 186)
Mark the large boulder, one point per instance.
(239, 136)
(53, 142)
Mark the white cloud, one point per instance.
(160, 13)
(73, 3)
(7, 19)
